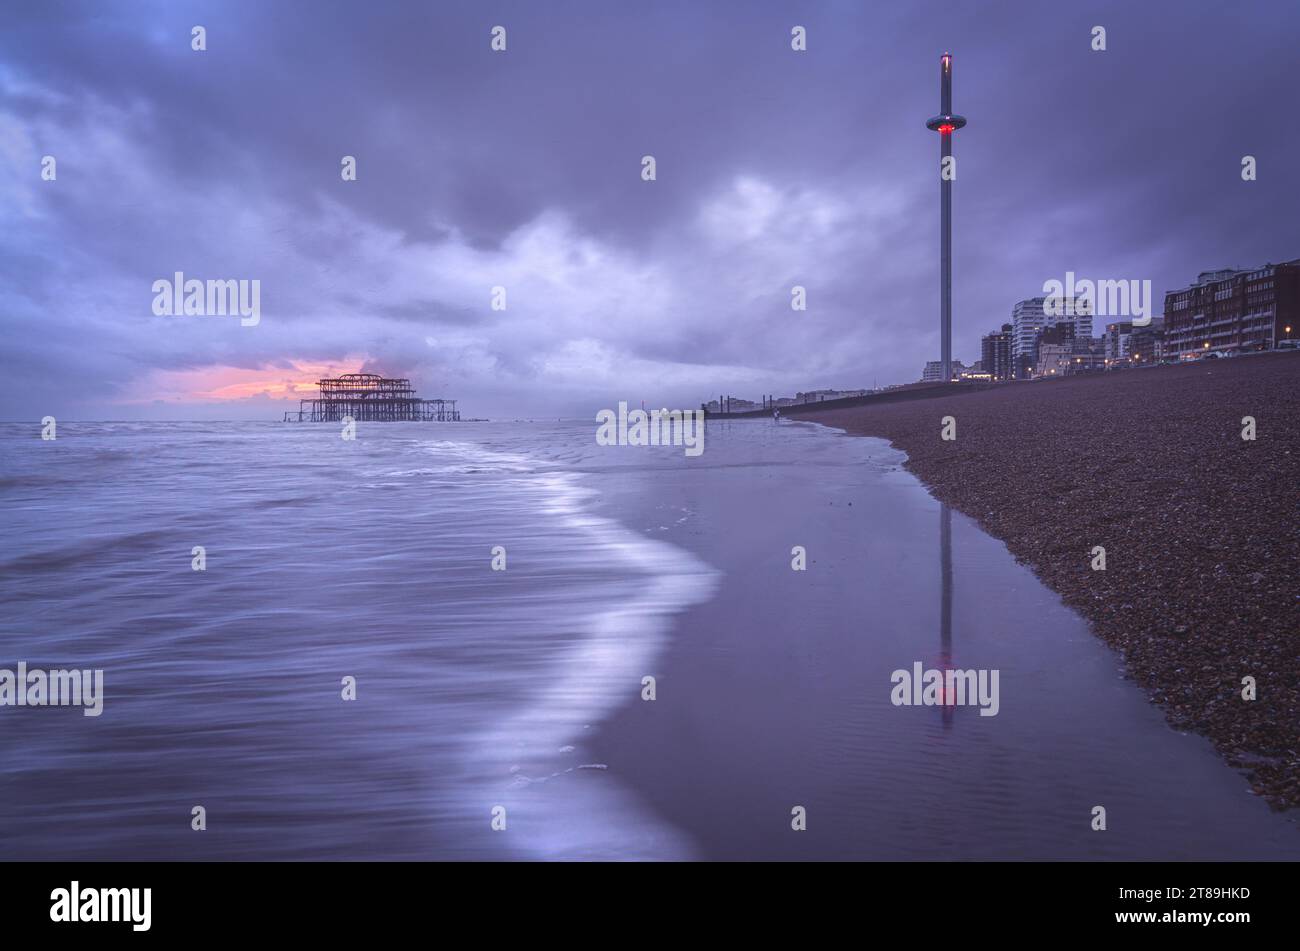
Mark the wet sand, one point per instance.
(1199, 527)
(776, 692)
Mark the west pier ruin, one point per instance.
(368, 397)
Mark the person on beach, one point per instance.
(776, 416)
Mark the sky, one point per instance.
(522, 169)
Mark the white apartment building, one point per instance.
(1029, 318)
(933, 372)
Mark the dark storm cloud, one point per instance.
(521, 169)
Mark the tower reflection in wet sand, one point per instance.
(945, 611)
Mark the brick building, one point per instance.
(1234, 310)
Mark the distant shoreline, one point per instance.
(1198, 524)
(898, 394)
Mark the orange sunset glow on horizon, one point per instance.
(223, 384)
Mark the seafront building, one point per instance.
(1233, 309)
(995, 354)
(1117, 340)
(1146, 345)
(1089, 355)
(1054, 359)
(1029, 318)
(1054, 347)
(1228, 310)
(1027, 322)
(933, 372)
